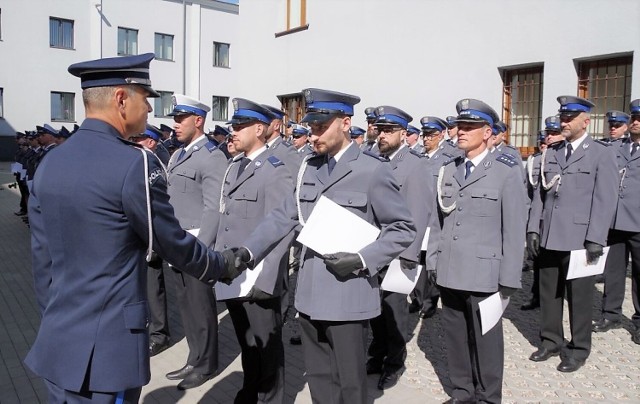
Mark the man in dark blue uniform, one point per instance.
(98, 205)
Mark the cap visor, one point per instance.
(317, 117)
(152, 93)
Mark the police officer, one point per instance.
(571, 209)
(387, 351)
(413, 139)
(481, 190)
(278, 147)
(20, 158)
(625, 233)
(256, 183)
(195, 178)
(99, 204)
(219, 136)
(452, 130)
(46, 136)
(338, 294)
(371, 140)
(438, 152)
(618, 125)
(357, 134)
(499, 144)
(300, 140)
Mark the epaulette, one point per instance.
(457, 160)
(210, 146)
(602, 142)
(506, 159)
(415, 153)
(275, 161)
(375, 156)
(448, 155)
(286, 143)
(538, 153)
(511, 156)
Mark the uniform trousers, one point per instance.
(258, 327)
(24, 194)
(389, 347)
(197, 303)
(579, 292)
(157, 298)
(334, 356)
(476, 361)
(622, 243)
(60, 395)
(426, 294)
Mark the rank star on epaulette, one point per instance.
(506, 160)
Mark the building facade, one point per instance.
(193, 41)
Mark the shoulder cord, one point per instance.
(623, 174)
(224, 179)
(444, 209)
(301, 171)
(145, 160)
(556, 178)
(530, 162)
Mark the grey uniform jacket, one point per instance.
(482, 239)
(581, 206)
(287, 154)
(410, 170)
(445, 154)
(304, 150)
(532, 170)
(247, 199)
(363, 184)
(627, 215)
(194, 185)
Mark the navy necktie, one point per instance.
(181, 155)
(569, 151)
(634, 149)
(244, 162)
(467, 169)
(331, 164)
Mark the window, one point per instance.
(62, 106)
(607, 83)
(0, 24)
(522, 106)
(164, 46)
(219, 108)
(293, 105)
(1, 102)
(60, 33)
(162, 105)
(221, 54)
(127, 41)
(295, 17)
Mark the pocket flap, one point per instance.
(249, 194)
(343, 198)
(580, 219)
(488, 253)
(136, 315)
(187, 172)
(488, 193)
(308, 194)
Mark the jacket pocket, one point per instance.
(350, 199)
(484, 202)
(136, 315)
(247, 202)
(188, 177)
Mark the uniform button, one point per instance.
(226, 229)
(226, 246)
(457, 223)
(621, 196)
(460, 209)
(461, 194)
(484, 194)
(243, 195)
(624, 186)
(226, 213)
(350, 202)
(555, 207)
(455, 237)
(493, 255)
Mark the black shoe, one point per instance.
(156, 347)
(194, 380)
(21, 212)
(570, 365)
(180, 373)
(543, 354)
(389, 379)
(430, 312)
(458, 401)
(373, 368)
(530, 305)
(635, 337)
(414, 307)
(295, 340)
(604, 325)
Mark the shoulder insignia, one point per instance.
(284, 142)
(507, 159)
(210, 146)
(456, 160)
(375, 156)
(275, 161)
(415, 153)
(602, 142)
(449, 155)
(155, 175)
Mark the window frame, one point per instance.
(224, 112)
(294, 106)
(0, 24)
(163, 36)
(289, 29)
(72, 118)
(1, 102)
(169, 95)
(127, 30)
(215, 55)
(60, 22)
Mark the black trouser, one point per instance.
(24, 193)
(426, 293)
(60, 395)
(622, 243)
(157, 298)
(476, 361)
(258, 327)
(334, 357)
(579, 292)
(197, 303)
(389, 347)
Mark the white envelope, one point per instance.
(578, 267)
(400, 280)
(241, 286)
(491, 310)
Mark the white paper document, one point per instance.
(491, 310)
(578, 267)
(16, 168)
(241, 286)
(332, 228)
(425, 239)
(400, 280)
(193, 232)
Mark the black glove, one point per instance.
(155, 262)
(594, 251)
(406, 264)
(343, 264)
(432, 277)
(243, 255)
(533, 244)
(506, 291)
(234, 266)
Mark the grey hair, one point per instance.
(97, 97)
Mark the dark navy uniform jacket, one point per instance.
(89, 235)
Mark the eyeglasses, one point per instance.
(429, 135)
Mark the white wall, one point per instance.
(425, 55)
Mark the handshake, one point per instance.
(236, 261)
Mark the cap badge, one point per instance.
(380, 110)
(307, 96)
(465, 104)
(235, 104)
(258, 163)
(585, 146)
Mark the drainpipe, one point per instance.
(184, 46)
